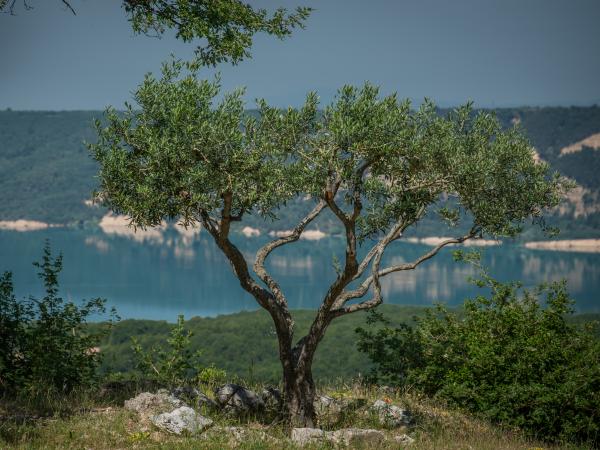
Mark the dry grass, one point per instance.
(112, 427)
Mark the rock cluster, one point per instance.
(169, 412)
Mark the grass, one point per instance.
(107, 425)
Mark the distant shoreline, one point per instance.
(566, 245)
(119, 225)
(26, 225)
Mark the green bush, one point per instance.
(45, 345)
(507, 357)
(175, 364)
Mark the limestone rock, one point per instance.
(147, 403)
(306, 436)
(237, 399)
(182, 419)
(390, 415)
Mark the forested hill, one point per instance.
(46, 172)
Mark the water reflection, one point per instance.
(184, 272)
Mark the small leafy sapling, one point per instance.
(173, 365)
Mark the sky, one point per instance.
(496, 53)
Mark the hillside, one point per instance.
(250, 352)
(46, 173)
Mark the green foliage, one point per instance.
(509, 358)
(181, 156)
(227, 26)
(44, 343)
(228, 343)
(212, 376)
(173, 366)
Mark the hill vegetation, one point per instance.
(46, 172)
(250, 352)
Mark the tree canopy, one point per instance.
(225, 28)
(183, 151)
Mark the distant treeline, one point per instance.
(46, 172)
(244, 344)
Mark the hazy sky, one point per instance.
(495, 52)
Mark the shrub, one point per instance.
(44, 343)
(175, 364)
(507, 357)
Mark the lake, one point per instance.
(176, 274)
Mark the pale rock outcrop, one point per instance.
(180, 420)
(147, 404)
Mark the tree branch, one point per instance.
(68, 5)
(265, 251)
(394, 233)
(306, 346)
(28, 7)
(364, 287)
(377, 298)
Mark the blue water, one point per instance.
(159, 280)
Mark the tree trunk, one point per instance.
(299, 393)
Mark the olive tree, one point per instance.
(376, 164)
(222, 29)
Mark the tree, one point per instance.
(226, 26)
(377, 165)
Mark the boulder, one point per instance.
(307, 436)
(239, 400)
(391, 415)
(180, 420)
(147, 403)
(357, 437)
